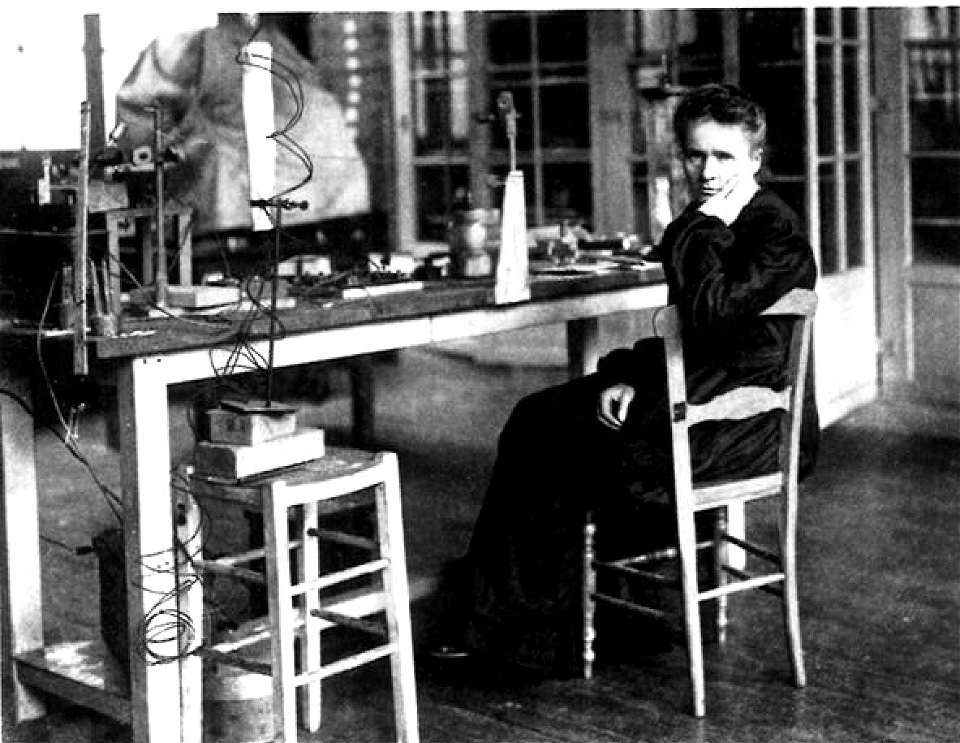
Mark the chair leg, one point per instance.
(720, 557)
(687, 540)
(282, 619)
(589, 588)
(390, 536)
(791, 602)
(308, 695)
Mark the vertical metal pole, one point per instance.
(161, 300)
(274, 289)
(93, 56)
(80, 252)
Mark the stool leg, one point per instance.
(190, 600)
(390, 534)
(282, 615)
(309, 570)
(589, 588)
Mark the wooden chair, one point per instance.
(300, 601)
(690, 498)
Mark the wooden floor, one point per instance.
(879, 551)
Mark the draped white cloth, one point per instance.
(197, 80)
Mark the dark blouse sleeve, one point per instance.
(719, 275)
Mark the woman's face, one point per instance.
(714, 154)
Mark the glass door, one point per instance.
(810, 69)
(840, 203)
(931, 47)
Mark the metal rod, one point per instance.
(161, 278)
(274, 289)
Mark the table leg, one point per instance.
(190, 599)
(363, 398)
(148, 526)
(21, 611)
(583, 346)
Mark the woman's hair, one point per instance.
(725, 104)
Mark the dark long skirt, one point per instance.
(519, 593)
(523, 569)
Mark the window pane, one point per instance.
(825, 105)
(935, 187)
(567, 193)
(700, 44)
(641, 202)
(509, 38)
(428, 41)
(562, 36)
(851, 100)
(824, 21)
(794, 192)
(437, 189)
(771, 36)
(854, 199)
(848, 22)
(565, 115)
(935, 244)
(934, 95)
(829, 245)
(440, 108)
(781, 91)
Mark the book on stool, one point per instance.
(247, 438)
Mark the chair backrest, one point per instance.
(799, 305)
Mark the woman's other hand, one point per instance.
(614, 404)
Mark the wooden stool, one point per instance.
(293, 503)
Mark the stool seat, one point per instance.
(336, 462)
(302, 601)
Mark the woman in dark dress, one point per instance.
(733, 252)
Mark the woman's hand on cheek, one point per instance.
(731, 200)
